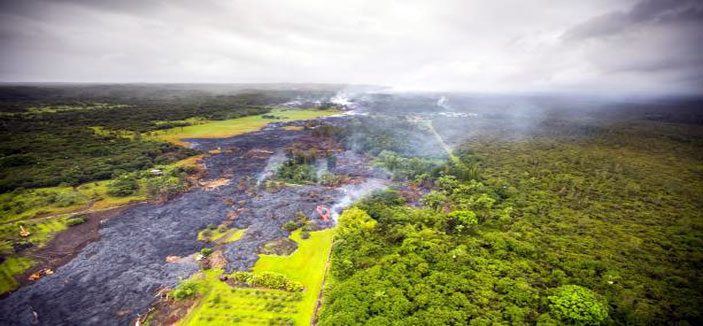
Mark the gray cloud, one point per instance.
(617, 46)
(644, 12)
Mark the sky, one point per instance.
(582, 46)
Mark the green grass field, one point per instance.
(234, 236)
(12, 266)
(233, 127)
(229, 235)
(305, 265)
(222, 304)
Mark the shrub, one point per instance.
(76, 220)
(123, 186)
(289, 226)
(267, 280)
(206, 252)
(305, 234)
(301, 218)
(578, 305)
(184, 290)
(165, 187)
(293, 286)
(70, 198)
(461, 221)
(243, 277)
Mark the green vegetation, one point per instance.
(594, 228)
(578, 306)
(222, 304)
(73, 135)
(26, 207)
(216, 234)
(235, 235)
(233, 127)
(40, 232)
(12, 266)
(123, 186)
(289, 226)
(295, 172)
(184, 290)
(306, 265)
(76, 220)
(267, 280)
(73, 155)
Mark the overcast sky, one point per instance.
(607, 46)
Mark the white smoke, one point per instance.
(354, 192)
(443, 102)
(342, 99)
(321, 168)
(273, 163)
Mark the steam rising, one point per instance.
(354, 192)
(273, 163)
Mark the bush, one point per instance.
(243, 277)
(461, 221)
(165, 187)
(184, 290)
(123, 186)
(301, 218)
(267, 280)
(206, 252)
(578, 306)
(76, 220)
(290, 226)
(69, 198)
(305, 235)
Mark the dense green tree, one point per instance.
(460, 221)
(578, 306)
(122, 186)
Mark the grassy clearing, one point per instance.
(234, 236)
(59, 200)
(40, 233)
(305, 265)
(229, 235)
(222, 304)
(293, 128)
(12, 266)
(233, 127)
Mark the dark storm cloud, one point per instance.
(538, 45)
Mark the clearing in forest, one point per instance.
(233, 127)
(222, 304)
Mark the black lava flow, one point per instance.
(115, 278)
